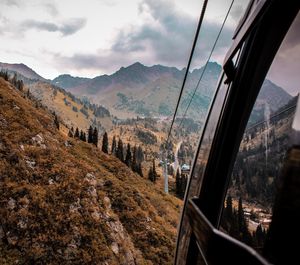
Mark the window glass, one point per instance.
(203, 84)
(214, 40)
(248, 206)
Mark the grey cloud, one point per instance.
(4, 24)
(102, 61)
(10, 2)
(167, 41)
(51, 9)
(171, 41)
(67, 28)
(40, 25)
(72, 26)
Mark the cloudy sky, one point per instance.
(94, 37)
(99, 36)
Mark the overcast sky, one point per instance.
(94, 37)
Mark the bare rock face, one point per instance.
(107, 202)
(38, 140)
(31, 163)
(91, 179)
(11, 204)
(122, 246)
(74, 207)
(115, 248)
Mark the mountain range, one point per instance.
(153, 90)
(142, 90)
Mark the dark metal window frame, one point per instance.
(261, 34)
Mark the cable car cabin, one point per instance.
(185, 169)
(203, 238)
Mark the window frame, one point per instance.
(259, 39)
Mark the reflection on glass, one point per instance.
(248, 207)
(200, 89)
(199, 165)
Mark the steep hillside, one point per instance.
(73, 112)
(64, 201)
(22, 69)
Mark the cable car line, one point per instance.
(211, 52)
(188, 66)
(271, 117)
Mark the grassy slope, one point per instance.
(56, 103)
(73, 204)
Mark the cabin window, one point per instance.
(248, 205)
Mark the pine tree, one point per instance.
(113, 146)
(76, 135)
(90, 135)
(56, 122)
(4, 75)
(241, 218)
(183, 185)
(20, 85)
(128, 156)
(139, 155)
(105, 143)
(84, 137)
(134, 164)
(155, 175)
(260, 236)
(150, 175)
(81, 135)
(95, 136)
(119, 152)
(234, 226)
(245, 235)
(228, 210)
(178, 183)
(14, 80)
(139, 170)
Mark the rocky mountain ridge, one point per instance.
(23, 70)
(153, 91)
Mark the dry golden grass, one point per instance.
(55, 102)
(63, 200)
